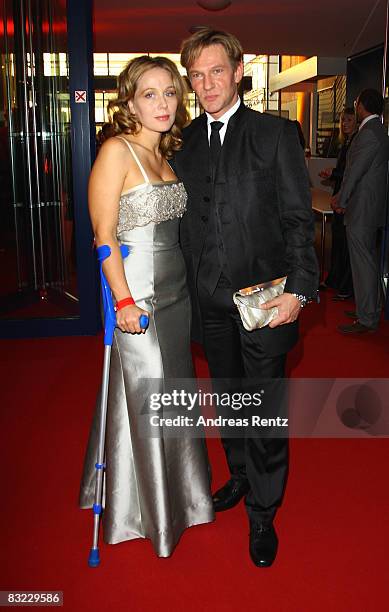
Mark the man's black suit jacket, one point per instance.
(261, 189)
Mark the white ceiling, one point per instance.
(290, 27)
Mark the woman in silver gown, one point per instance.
(154, 487)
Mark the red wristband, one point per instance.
(128, 301)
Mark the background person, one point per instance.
(339, 276)
(362, 199)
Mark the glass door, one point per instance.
(39, 277)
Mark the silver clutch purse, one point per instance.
(249, 300)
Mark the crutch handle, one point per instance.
(143, 321)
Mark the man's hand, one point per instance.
(326, 173)
(334, 202)
(335, 206)
(289, 308)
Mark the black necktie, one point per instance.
(215, 144)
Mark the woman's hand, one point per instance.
(127, 319)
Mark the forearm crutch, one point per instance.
(103, 252)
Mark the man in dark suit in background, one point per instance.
(362, 199)
(249, 220)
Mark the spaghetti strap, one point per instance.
(134, 155)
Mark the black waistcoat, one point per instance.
(213, 262)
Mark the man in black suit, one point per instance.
(249, 220)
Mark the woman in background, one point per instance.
(155, 486)
(339, 277)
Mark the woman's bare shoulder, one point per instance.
(115, 144)
(114, 151)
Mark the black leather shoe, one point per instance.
(351, 314)
(356, 328)
(228, 496)
(342, 297)
(263, 544)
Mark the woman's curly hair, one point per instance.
(123, 121)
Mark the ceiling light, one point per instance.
(214, 5)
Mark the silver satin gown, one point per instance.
(154, 487)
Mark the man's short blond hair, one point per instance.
(205, 37)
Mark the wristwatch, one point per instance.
(302, 299)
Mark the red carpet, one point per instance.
(333, 527)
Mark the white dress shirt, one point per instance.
(224, 119)
(366, 119)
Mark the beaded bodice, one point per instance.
(151, 202)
